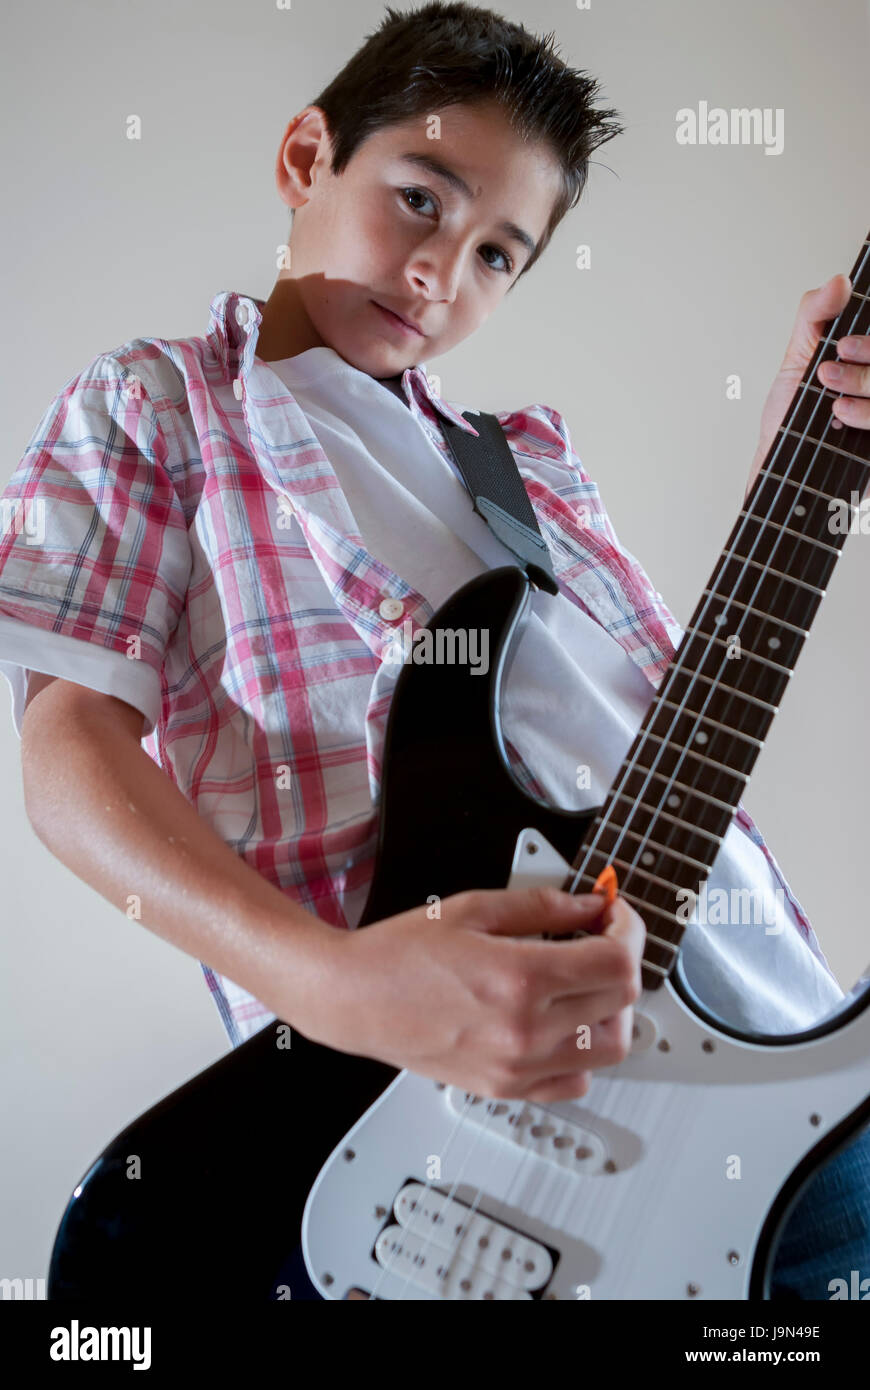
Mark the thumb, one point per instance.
(529, 911)
(815, 312)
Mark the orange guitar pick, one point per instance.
(607, 883)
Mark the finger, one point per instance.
(854, 348)
(815, 311)
(571, 1019)
(853, 412)
(566, 968)
(571, 1086)
(531, 911)
(852, 379)
(609, 1041)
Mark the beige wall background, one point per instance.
(699, 256)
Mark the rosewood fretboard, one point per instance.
(676, 793)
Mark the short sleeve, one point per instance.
(94, 549)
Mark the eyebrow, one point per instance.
(450, 176)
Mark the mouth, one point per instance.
(401, 325)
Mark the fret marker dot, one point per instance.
(673, 800)
(773, 643)
(800, 511)
(648, 858)
(701, 737)
(719, 619)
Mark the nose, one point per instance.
(436, 269)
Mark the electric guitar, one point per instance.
(303, 1172)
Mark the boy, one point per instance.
(237, 525)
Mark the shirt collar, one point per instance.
(234, 328)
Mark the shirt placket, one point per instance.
(384, 610)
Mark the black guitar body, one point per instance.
(227, 1161)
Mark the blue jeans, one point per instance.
(828, 1233)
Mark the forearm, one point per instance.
(109, 813)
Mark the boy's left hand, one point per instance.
(816, 309)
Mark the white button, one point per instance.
(237, 387)
(391, 608)
(242, 314)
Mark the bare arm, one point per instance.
(461, 998)
(105, 809)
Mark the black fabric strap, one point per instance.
(490, 473)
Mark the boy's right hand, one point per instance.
(471, 1000)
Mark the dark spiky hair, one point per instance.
(421, 61)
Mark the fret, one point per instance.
(643, 907)
(659, 827)
(666, 914)
(686, 787)
(674, 820)
(822, 443)
(707, 719)
(704, 826)
(705, 758)
(765, 594)
(753, 656)
(788, 531)
(778, 574)
(725, 703)
(729, 690)
(803, 487)
(826, 392)
(650, 965)
(812, 406)
(759, 613)
(694, 733)
(638, 869)
(804, 511)
(813, 561)
(650, 847)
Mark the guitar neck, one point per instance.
(675, 795)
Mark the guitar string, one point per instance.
(677, 664)
(833, 332)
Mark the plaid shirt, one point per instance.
(168, 473)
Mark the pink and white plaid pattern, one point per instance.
(170, 474)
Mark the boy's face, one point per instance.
(390, 232)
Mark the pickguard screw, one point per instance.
(328, 1279)
(664, 1045)
(733, 1257)
(692, 1289)
(815, 1119)
(349, 1155)
(708, 1046)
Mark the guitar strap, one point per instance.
(489, 471)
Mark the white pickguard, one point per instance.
(648, 1210)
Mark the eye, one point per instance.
(508, 265)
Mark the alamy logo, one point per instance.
(447, 646)
(27, 516)
(736, 907)
(76, 1343)
(856, 1288)
(739, 126)
(22, 1288)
